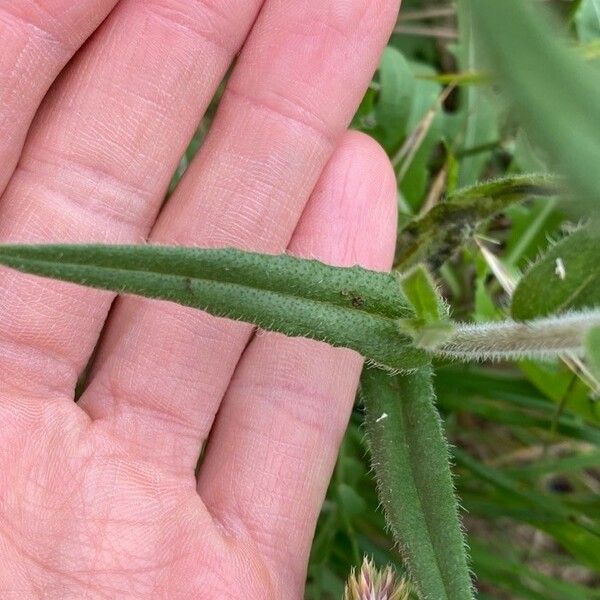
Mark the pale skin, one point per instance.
(98, 100)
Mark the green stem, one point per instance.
(513, 340)
(411, 464)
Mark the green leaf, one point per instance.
(444, 229)
(420, 290)
(395, 98)
(350, 500)
(478, 113)
(531, 227)
(581, 460)
(426, 119)
(431, 327)
(555, 93)
(502, 398)
(548, 507)
(526, 157)
(410, 459)
(566, 278)
(349, 307)
(562, 386)
(512, 574)
(577, 533)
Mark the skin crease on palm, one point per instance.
(98, 100)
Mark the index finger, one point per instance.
(37, 39)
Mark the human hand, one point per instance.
(100, 499)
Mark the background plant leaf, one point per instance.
(397, 85)
(544, 81)
(478, 112)
(587, 20)
(436, 236)
(569, 275)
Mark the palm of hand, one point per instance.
(101, 499)
(87, 516)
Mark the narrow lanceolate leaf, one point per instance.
(444, 229)
(410, 459)
(349, 307)
(420, 290)
(431, 326)
(478, 113)
(555, 92)
(566, 278)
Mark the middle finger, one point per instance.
(163, 369)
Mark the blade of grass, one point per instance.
(584, 460)
(478, 114)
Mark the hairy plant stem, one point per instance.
(410, 459)
(541, 339)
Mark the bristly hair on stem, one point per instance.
(541, 339)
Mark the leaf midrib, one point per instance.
(214, 281)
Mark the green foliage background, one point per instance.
(525, 438)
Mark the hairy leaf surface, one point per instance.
(441, 232)
(566, 278)
(349, 307)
